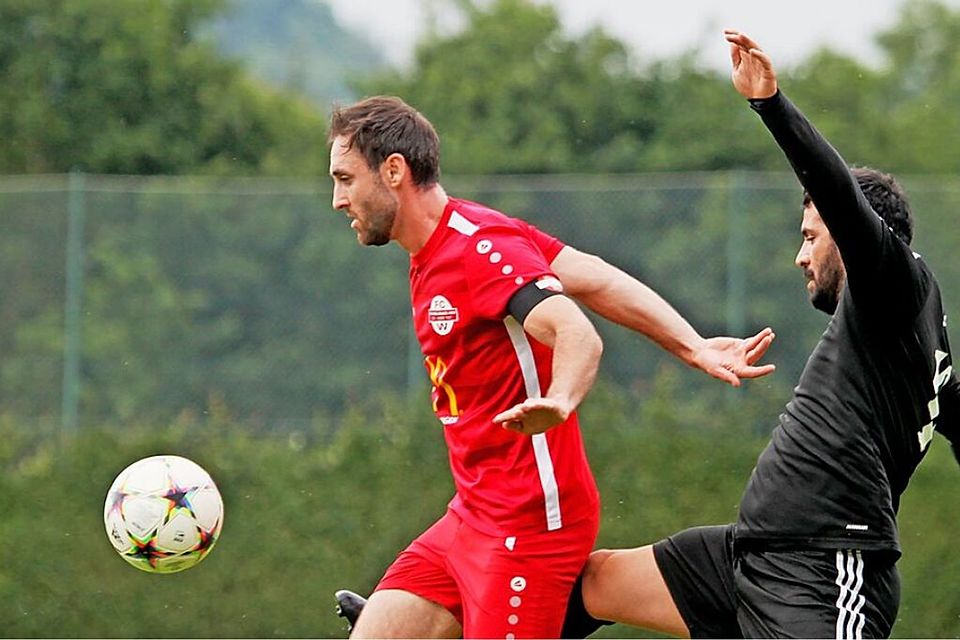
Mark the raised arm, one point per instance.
(623, 299)
(855, 227)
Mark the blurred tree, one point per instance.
(922, 88)
(511, 94)
(126, 87)
(841, 95)
(699, 123)
(195, 291)
(898, 116)
(295, 45)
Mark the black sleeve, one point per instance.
(526, 298)
(948, 423)
(871, 253)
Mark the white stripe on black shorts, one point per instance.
(723, 592)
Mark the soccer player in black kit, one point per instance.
(813, 552)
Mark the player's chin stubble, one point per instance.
(379, 226)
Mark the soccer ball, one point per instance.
(163, 514)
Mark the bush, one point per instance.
(329, 507)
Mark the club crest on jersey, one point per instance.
(442, 315)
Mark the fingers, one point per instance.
(513, 417)
(735, 56)
(513, 414)
(757, 345)
(741, 40)
(753, 341)
(741, 44)
(516, 427)
(532, 416)
(510, 424)
(759, 350)
(765, 61)
(726, 376)
(758, 372)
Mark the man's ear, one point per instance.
(393, 170)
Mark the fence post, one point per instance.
(76, 210)
(736, 257)
(736, 265)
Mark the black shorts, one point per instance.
(725, 592)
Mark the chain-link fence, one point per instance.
(131, 299)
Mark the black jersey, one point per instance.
(869, 399)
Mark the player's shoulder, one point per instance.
(489, 242)
(471, 218)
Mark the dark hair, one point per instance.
(886, 197)
(383, 125)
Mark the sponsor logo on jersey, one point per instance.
(442, 315)
(444, 397)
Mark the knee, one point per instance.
(594, 584)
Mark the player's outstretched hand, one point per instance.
(753, 74)
(532, 416)
(733, 359)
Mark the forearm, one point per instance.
(559, 323)
(620, 298)
(637, 307)
(576, 358)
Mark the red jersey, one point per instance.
(482, 362)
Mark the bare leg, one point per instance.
(393, 613)
(625, 585)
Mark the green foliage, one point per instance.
(240, 321)
(140, 87)
(924, 81)
(127, 88)
(511, 94)
(898, 116)
(249, 292)
(329, 506)
(305, 513)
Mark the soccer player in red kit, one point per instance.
(510, 358)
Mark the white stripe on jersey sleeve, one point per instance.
(459, 223)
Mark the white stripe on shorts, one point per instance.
(850, 601)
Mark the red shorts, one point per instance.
(496, 587)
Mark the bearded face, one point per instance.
(374, 214)
(821, 262)
(360, 192)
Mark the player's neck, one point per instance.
(418, 216)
